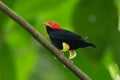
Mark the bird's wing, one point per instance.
(64, 35)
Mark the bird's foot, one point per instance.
(70, 60)
(62, 52)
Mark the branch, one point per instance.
(28, 27)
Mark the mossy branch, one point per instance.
(28, 27)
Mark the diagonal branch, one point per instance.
(28, 27)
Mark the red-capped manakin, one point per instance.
(65, 40)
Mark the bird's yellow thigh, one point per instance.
(65, 46)
(72, 54)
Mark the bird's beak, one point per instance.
(43, 23)
(46, 24)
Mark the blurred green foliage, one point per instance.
(22, 58)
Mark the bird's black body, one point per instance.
(59, 36)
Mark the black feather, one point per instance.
(74, 40)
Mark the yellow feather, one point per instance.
(66, 46)
(72, 54)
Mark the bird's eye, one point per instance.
(53, 23)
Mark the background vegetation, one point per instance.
(22, 58)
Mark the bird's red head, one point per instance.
(53, 25)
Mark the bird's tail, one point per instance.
(91, 44)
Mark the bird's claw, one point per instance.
(61, 51)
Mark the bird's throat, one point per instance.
(49, 30)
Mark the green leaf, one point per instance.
(7, 67)
(98, 20)
(111, 65)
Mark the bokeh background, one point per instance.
(23, 58)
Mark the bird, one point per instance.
(65, 40)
